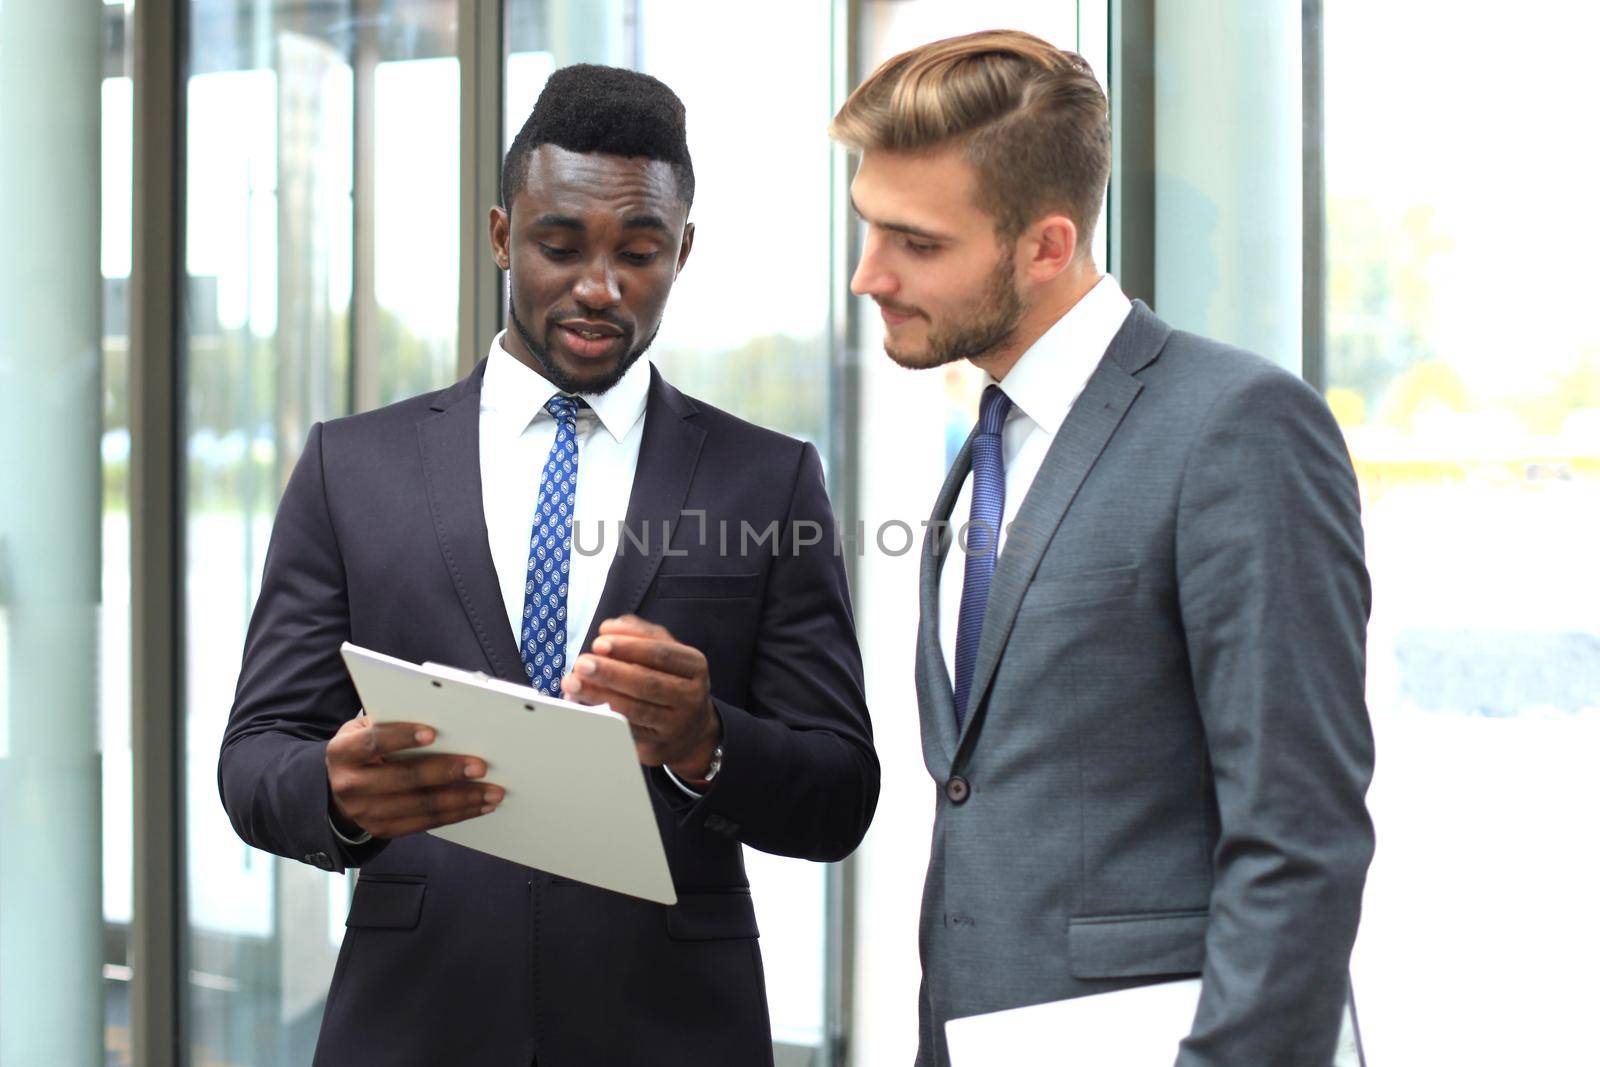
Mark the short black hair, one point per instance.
(590, 108)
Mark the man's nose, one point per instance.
(597, 287)
(870, 279)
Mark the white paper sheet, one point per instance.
(1130, 1028)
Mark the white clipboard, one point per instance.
(1139, 1027)
(576, 804)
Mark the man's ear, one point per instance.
(1048, 247)
(683, 250)
(500, 236)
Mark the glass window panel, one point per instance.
(265, 152)
(116, 680)
(1460, 225)
(747, 327)
(55, 61)
(1229, 174)
(417, 237)
(274, 317)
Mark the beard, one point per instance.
(558, 375)
(990, 323)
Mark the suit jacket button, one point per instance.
(957, 790)
(716, 823)
(319, 859)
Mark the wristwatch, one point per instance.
(716, 764)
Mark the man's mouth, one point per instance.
(590, 340)
(894, 316)
(585, 328)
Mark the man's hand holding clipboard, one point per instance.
(662, 687)
(392, 798)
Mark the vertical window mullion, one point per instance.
(366, 387)
(156, 528)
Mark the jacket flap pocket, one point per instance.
(1082, 587)
(712, 916)
(707, 586)
(384, 902)
(1123, 946)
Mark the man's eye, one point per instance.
(556, 251)
(639, 258)
(921, 248)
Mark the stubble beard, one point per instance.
(558, 376)
(993, 322)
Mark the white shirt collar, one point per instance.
(516, 394)
(1049, 377)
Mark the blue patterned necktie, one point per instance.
(983, 531)
(544, 607)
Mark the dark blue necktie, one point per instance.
(983, 533)
(544, 607)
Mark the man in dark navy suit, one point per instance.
(459, 527)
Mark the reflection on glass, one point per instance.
(53, 68)
(274, 317)
(116, 681)
(1467, 379)
(417, 183)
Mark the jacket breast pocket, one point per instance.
(714, 916)
(706, 586)
(1126, 946)
(387, 902)
(1081, 587)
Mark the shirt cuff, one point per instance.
(692, 794)
(352, 841)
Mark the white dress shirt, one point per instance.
(515, 434)
(1043, 385)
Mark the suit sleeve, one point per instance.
(1274, 596)
(293, 692)
(800, 775)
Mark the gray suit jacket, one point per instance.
(1164, 766)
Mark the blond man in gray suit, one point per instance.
(1141, 681)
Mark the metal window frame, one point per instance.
(480, 45)
(1313, 204)
(156, 530)
(365, 378)
(841, 891)
(1131, 196)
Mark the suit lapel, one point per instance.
(1083, 436)
(934, 694)
(668, 454)
(448, 439)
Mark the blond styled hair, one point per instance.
(1028, 116)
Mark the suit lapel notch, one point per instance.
(933, 678)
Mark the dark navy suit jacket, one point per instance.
(453, 956)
